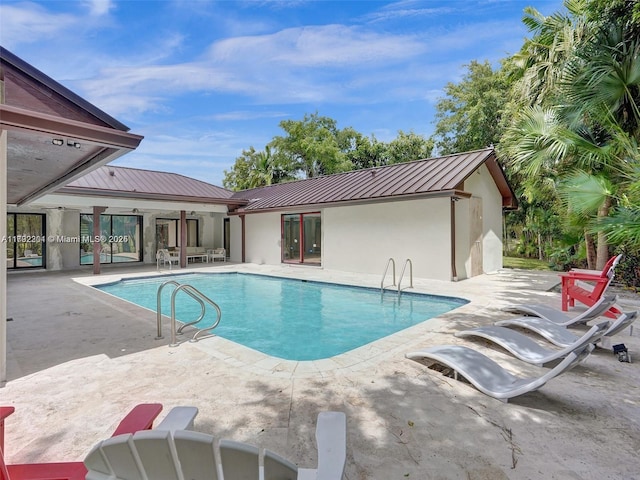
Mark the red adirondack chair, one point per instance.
(141, 417)
(597, 284)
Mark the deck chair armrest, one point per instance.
(141, 417)
(4, 413)
(331, 438)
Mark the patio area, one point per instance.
(78, 360)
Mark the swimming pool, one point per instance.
(290, 319)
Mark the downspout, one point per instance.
(454, 273)
(243, 237)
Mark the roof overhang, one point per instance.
(36, 166)
(455, 194)
(509, 201)
(90, 192)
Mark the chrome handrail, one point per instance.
(191, 289)
(196, 295)
(407, 261)
(393, 264)
(159, 305)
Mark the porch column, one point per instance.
(243, 237)
(3, 256)
(183, 239)
(97, 244)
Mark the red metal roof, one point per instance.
(132, 182)
(419, 178)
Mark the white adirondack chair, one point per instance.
(187, 455)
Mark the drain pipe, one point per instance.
(454, 273)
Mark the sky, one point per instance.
(203, 80)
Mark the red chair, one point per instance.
(141, 417)
(588, 294)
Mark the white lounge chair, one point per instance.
(489, 377)
(183, 454)
(556, 316)
(559, 335)
(528, 350)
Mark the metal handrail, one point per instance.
(196, 295)
(159, 305)
(189, 288)
(384, 275)
(407, 261)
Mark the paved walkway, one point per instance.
(79, 359)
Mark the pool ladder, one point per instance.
(392, 262)
(194, 293)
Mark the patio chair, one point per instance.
(488, 376)
(556, 316)
(527, 349)
(165, 256)
(141, 417)
(184, 454)
(575, 286)
(560, 335)
(220, 253)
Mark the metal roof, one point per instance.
(53, 135)
(434, 176)
(111, 180)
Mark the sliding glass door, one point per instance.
(301, 238)
(120, 239)
(25, 240)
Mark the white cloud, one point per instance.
(99, 8)
(30, 23)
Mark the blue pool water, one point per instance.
(289, 319)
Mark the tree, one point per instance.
(407, 147)
(313, 145)
(257, 169)
(469, 117)
(583, 127)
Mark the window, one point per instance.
(167, 233)
(26, 240)
(121, 238)
(302, 238)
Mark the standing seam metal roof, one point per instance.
(432, 175)
(139, 182)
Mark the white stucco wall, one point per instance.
(481, 184)
(263, 243)
(362, 238)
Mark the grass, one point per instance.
(525, 263)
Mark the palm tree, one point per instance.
(589, 136)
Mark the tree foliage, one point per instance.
(469, 117)
(316, 146)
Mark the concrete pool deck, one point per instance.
(78, 360)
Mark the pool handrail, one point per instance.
(384, 274)
(159, 305)
(193, 293)
(410, 263)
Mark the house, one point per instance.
(444, 214)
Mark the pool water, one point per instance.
(289, 319)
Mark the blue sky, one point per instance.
(203, 80)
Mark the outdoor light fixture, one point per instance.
(135, 210)
(57, 141)
(71, 143)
